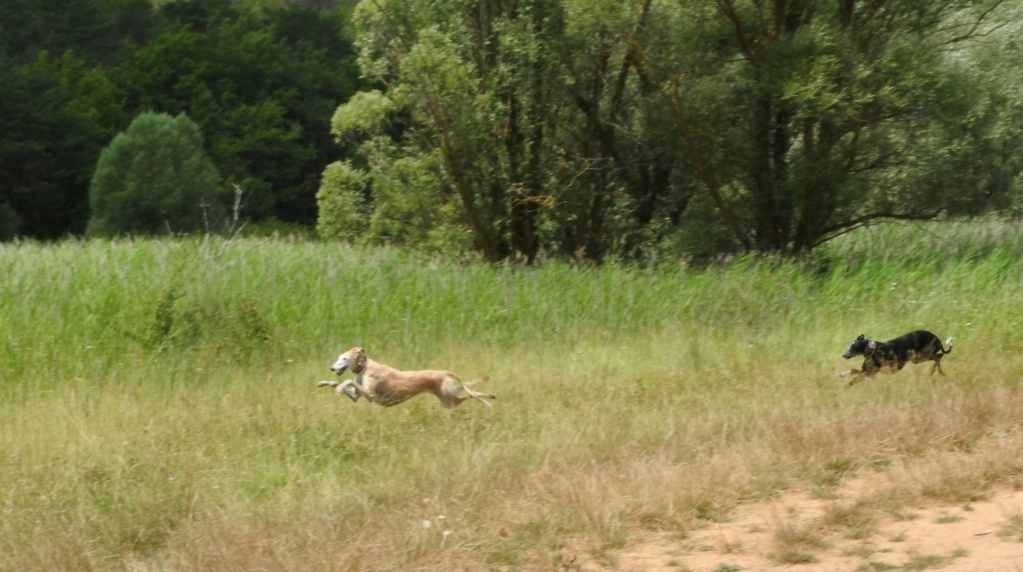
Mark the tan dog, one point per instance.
(387, 386)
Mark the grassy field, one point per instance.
(158, 408)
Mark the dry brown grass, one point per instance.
(232, 478)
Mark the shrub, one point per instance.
(9, 221)
(153, 178)
(342, 204)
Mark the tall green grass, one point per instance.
(86, 303)
(159, 405)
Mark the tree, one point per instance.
(539, 130)
(9, 221)
(56, 115)
(94, 29)
(341, 203)
(597, 127)
(261, 84)
(261, 78)
(808, 119)
(153, 178)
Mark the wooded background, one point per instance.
(523, 129)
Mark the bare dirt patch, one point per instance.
(793, 532)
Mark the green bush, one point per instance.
(155, 178)
(342, 202)
(9, 221)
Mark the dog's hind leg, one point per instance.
(941, 352)
(466, 387)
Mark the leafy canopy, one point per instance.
(153, 178)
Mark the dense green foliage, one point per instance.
(511, 129)
(692, 127)
(154, 178)
(57, 114)
(260, 78)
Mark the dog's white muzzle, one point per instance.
(340, 366)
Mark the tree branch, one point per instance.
(972, 32)
(732, 219)
(840, 228)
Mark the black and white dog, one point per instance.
(893, 355)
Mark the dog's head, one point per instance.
(861, 346)
(353, 359)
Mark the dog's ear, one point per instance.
(360, 362)
(861, 338)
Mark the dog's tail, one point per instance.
(948, 342)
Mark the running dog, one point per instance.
(893, 355)
(384, 385)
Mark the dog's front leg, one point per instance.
(356, 386)
(344, 388)
(326, 383)
(348, 390)
(857, 377)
